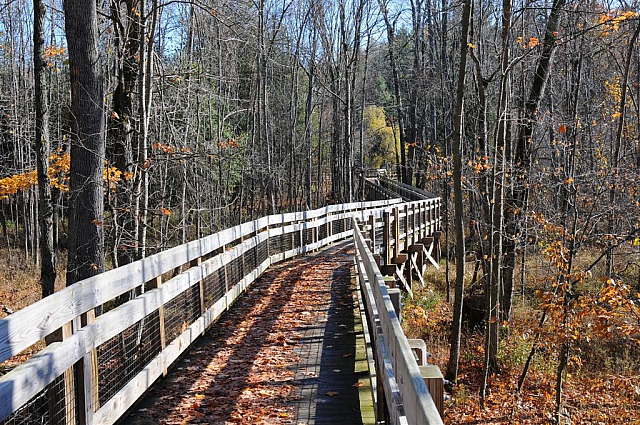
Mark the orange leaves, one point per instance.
(228, 144)
(528, 44)
(480, 165)
(59, 164)
(52, 53)
(562, 129)
(163, 147)
(18, 182)
(611, 21)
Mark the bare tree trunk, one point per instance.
(618, 142)
(456, 327)
(42, 148)
(396, 91)
(145, 75)
(523, 153)
(128, 32)
(86, 238)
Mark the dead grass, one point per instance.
(602, 386)
(20, 280)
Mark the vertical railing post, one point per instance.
(87, 376)
(406, 227)
(66, 397)
(195, 263)
(396, 231)
(386, 236)
(430, 218)
(153, 284)
(372, 232)
(414, 230)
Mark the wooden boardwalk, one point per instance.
(290, 351)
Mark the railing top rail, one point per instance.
(417, 404)
(34, 322)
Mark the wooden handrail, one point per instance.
(237, 255)
(406, 397)
(26, 327)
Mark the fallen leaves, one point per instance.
(244, 369)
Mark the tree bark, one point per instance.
(86, 239)
(42, 148)
(456, 327)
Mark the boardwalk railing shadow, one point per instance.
(100, 366)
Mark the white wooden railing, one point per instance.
(99, 367)
(400, 393)
(95, 368)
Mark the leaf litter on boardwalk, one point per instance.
(242, 370)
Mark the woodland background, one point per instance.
(522, 115)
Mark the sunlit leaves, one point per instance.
(611, 21)
(529, 43)
(59, 164)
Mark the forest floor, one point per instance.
(601, 385)
(20, 287)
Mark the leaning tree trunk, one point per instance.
(86, 239)
(42, 148)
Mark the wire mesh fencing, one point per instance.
(55, 404)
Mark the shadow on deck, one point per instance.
(290, 351)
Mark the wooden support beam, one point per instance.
(400, 258)
(413, 260)
(416, 247)
(435, 383)
(429, 252)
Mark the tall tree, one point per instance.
(524, 148)
(43, 149)
(456, 326)
(128, 29)
(86, 238)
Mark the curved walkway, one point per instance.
(290, 351)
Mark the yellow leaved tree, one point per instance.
(382, 139)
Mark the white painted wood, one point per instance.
(419, 408)
(19, 330)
